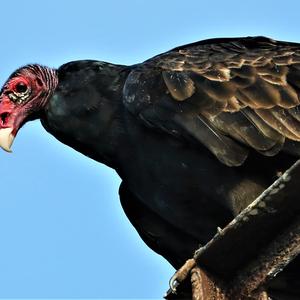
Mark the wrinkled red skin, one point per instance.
(9, 108)
(12, 115)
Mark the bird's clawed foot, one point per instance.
(181, 274)
(203, 285)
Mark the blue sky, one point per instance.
(63, 233)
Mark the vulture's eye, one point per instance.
(21, 88)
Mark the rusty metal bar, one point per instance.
(268, 231)
(271, 261)
(205, 287)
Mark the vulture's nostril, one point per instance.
(3, 117)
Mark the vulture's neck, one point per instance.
(86, 110)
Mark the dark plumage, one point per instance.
(196, 133)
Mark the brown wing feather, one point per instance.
(246, 90)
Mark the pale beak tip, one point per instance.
(6, 139)
(8, 150)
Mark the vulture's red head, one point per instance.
(22, 97)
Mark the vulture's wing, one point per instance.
(230, 95)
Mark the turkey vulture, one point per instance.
(196, 133)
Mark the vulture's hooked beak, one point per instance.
(9, 120)
(6, 138)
